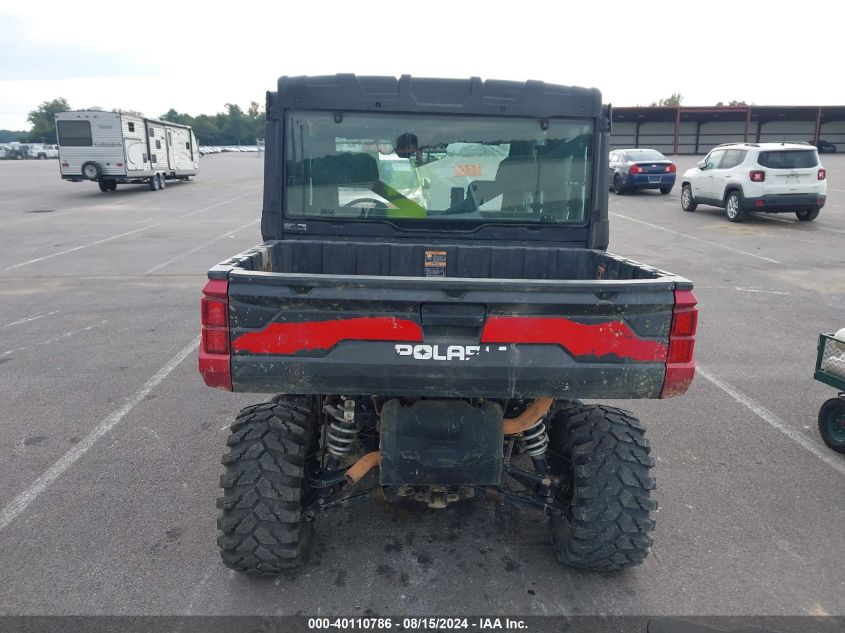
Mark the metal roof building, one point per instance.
(692, 130)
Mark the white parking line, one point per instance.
(816, 227)
(29, 319)
(24, 499)
(219, 204)
(79, 248)
(73, 333)
(767, 416)
(114, 237)
(765, 292)
(200, 247)
(697, 239)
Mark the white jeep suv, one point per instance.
(767, 177)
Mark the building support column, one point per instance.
(747, 123)
(697, 136)
(818, 127)
(677, 128)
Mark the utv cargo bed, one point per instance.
(483, 321)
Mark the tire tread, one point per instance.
(262, 530)
(610, 525)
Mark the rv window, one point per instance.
(188, 145)
(158, 144)
(131, 126)
(153, 159)
(74, 133)
(152, 132)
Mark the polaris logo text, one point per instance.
(437, 352)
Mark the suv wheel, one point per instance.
(688, 203)
(807, 215)
(733, 207)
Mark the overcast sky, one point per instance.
(196, 56)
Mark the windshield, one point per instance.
(645, 154)
(434, 168)
(789, 159)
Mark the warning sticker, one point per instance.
(470, 169)
(435, 263)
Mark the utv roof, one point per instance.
(422, 94)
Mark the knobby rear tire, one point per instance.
(607, 456)
(262, 529)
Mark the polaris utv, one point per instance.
(432, 300)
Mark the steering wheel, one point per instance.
(375, 202)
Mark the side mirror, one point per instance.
(426, 183)
(702, 165)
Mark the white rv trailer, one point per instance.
(112, 148)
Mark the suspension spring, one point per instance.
(343, 431)
(534, 441)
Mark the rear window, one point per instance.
(645, 154)
(789, 159)
(74, 133)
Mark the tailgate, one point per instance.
(452, 337)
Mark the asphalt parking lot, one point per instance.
(111, 442)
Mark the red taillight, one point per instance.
(214, 354)
(822, 174)
(685, 321)
(635, 169)
(681, 350)
(214, 312)
(65, 164)
(680, 364)
(670, 169)
(758, 175)
(217, 341)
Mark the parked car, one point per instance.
(14, 151)
(766, 177)
(40, 151)
(632, 169)
(826, 147)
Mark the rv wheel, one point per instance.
(162, 181)
(91, 170)
(154, 183)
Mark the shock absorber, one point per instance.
(533, 442)
(341, 434)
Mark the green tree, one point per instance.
(230, 127)
(11, 135)
(174, 117)
(733, 102)
(255, 115)
(43, 122)
(673, 100)
(234, 124)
